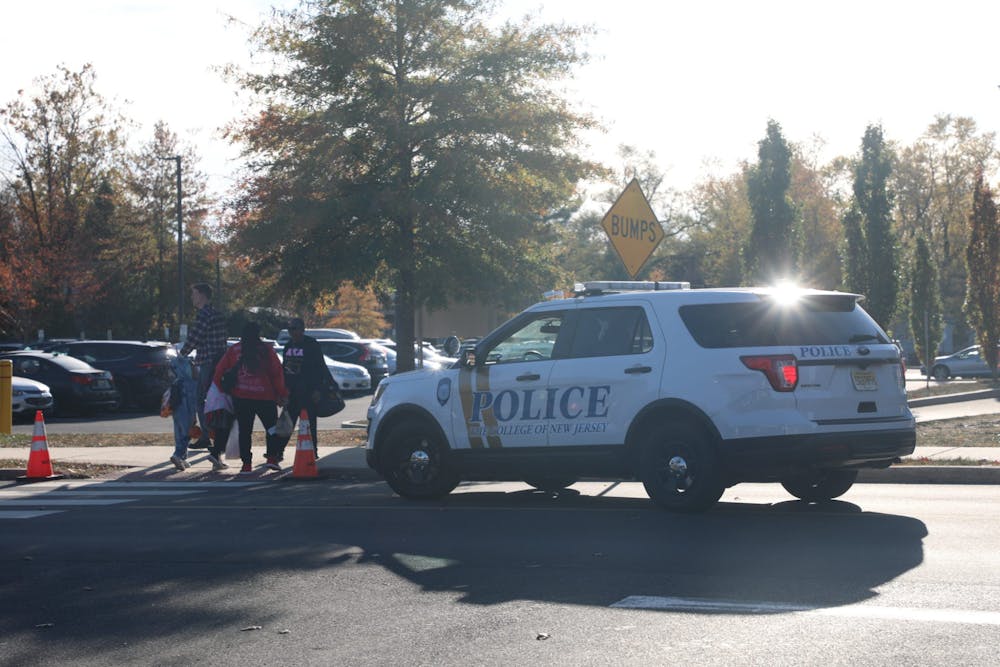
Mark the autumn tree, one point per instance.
(871, 262)
(353, 308)
(925, 303)
(411, 143)
(982, 303)
(59, 150)
(770, 251)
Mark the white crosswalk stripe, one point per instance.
(66, 494)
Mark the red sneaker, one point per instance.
(247, 469)
(272, 463)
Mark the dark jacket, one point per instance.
(305, 369)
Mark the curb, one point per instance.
(954, 398)
(918, 474)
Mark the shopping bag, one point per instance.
(283, 427)
(233, 443)
(166, 409)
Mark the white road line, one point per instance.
(174, 485)
(48, 493)
(65, 502)
(73, 485)
(25, 514)
(966, 616)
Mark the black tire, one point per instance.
(940, 373)
(679, 467)
(414, 462)
(822, 485)
(551, 484)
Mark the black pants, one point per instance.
(246, 410)
(294, 407)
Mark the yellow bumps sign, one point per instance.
(632, 228)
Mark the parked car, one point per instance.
(141, 369)
(351, 378)
(284, 336)
(390, 355)
(76, 386)
(967, 362)
(361, 352)
(28, 396)
(432, 357)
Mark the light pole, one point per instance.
(180, 247)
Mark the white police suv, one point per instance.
(688, 391)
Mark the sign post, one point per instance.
(632, 228)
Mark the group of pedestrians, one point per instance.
(259, 384)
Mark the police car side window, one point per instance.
(534, 341)
(604, 332)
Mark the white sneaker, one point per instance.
(178, 462)
(217, 465)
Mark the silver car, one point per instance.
(29, 396)
(967, 362)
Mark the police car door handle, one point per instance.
(529, 377)
(635, 370)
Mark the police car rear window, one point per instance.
(820, 320)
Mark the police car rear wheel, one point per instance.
(823, 485)
(679, 468)
(414, 463)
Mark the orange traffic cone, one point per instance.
(305, 455)
(39, 464)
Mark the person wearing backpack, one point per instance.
(306, 376)
(258, 391)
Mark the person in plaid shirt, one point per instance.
(208, 339)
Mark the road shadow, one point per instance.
(479, 547)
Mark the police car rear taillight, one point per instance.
(781, 370)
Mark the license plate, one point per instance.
(864, 380)
(101, 384)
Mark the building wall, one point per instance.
(462, 319)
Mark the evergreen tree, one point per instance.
(982, 302)
(925, 304)
(871, 263)
(770, 253)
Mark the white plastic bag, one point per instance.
(233, 443)
(283, 427)
(216, 400)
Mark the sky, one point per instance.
(694, 81)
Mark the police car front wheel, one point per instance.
(679, 467)
(414, 462)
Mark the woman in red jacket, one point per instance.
(260, 389)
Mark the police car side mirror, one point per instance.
(468, 359)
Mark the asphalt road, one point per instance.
(336, 573)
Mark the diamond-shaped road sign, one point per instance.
(632, 228)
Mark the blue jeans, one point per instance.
(184, 417)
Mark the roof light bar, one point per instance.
(602, 286)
